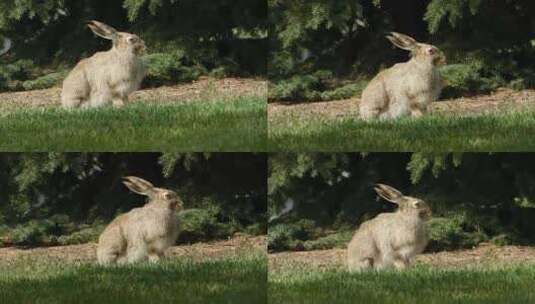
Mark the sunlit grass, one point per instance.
(418, 285)
(494, 132)
(236, 125)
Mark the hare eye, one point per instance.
(416, 204)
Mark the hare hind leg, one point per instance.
(137, 254)
(105, 257)
(100, 97)
(75, 90)
(157, 249)
(399, 107)
(374, 101)
(74, 95)
(111, 245)
(361, 265)
(122, 259)
(69, 102)
(137, 250)
(109, 253)
(393, 259)
(419, 108)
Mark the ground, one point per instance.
(501, 100)
(86, 253)
(484, 255)
(203, 89)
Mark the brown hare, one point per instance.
(106, 77)
(143, 232)
(406, 88)
(390, 239)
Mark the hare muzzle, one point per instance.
(141, 49)
(440, 60)
(425, 213)
(175, 205)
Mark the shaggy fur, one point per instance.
(390, 239)
(143, 232)
(106, 76)
(406, 88)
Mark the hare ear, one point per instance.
(388, 193)
(139, 185)
(402, 41)
(102, 30)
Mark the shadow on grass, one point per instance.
(227, 281)
(419, 285)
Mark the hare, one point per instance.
(106, 76)
(143, 232)
(390, 239)
(406, 88)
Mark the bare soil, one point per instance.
(486, 254)
(201, 90)
(499, 101)
(87, 252)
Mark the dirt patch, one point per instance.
(336, 109)
(200, 90)
(87, 252)
(499, 101)
(203, 89)
(483, 255)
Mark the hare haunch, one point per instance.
(406, 88)
(143, 232)
(390, 239)
(106, 77)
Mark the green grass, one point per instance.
(415, 286)
(508, 132)
(234, 280)
(236, 125)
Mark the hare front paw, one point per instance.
(417, 113)
(118, 103)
